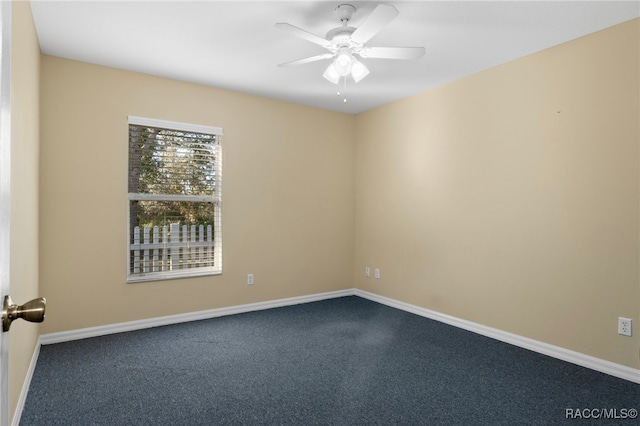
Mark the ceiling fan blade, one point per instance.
(392, 52)
(299, 32)
(307, 60)
(381, 16)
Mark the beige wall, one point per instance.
(511, 197)
(287, 196)
(25, 60)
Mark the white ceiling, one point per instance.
(234, 45)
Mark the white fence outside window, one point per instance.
(159, 250)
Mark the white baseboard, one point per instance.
(558, 352)
(27, 382)
(603, 366)
(83, 333)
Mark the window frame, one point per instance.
(216, 200)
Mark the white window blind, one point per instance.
(175, 196)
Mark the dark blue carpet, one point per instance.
(346, 361)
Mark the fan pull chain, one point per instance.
(345, 89)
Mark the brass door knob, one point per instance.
(32, 311)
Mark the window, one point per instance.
(174, 200)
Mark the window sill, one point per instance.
(162, 276)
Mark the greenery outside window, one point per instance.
(175, 200)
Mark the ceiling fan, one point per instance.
(346, 44)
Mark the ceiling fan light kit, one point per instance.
(346, 43)
(343, 61)
(332, 74)
(358, 71)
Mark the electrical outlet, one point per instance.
(250, 279)
(624, 326)
(376, 273)
(367, 271)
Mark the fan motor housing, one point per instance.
(340, 36)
